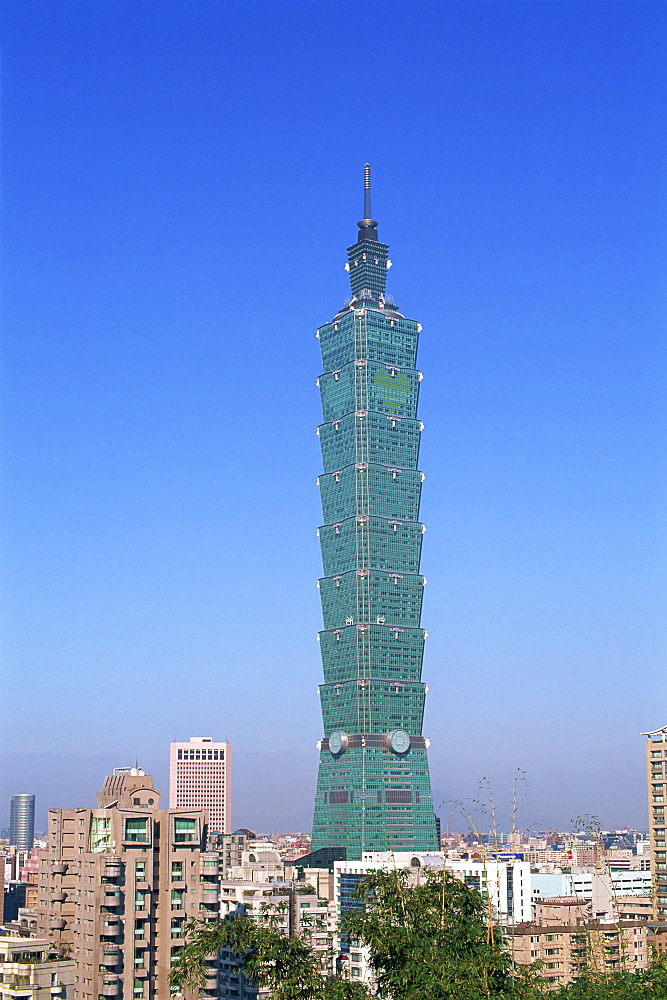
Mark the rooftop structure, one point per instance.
(31, 969)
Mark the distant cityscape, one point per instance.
(97, 904)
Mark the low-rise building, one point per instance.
(580, 883)
(31, 969)
(568, 942)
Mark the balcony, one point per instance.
(112, 899)
(58, 897)
(60, 868)
(111, 957)
(209, 865)
(113, 866)
(111, 935)
(110, 986)
(57, 923)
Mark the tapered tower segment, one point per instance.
(374, 791)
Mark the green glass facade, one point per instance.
(374, 791)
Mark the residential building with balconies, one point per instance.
(118, 883)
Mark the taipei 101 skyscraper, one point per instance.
(374, 790)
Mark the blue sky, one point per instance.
(179, 184)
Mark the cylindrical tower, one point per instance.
(22, 821)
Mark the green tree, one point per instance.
(649, 984)
(288, 966)
(434, 940)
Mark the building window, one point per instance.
(100, 834)
(140, 870)
(136, 830)
(185, 830)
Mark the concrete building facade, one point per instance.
(656, 780)
(506, 884)
(291, 907)
(200, 777)
(118, 883)
(568, 942)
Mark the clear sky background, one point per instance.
(179, 184)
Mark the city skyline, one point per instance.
(174, 209)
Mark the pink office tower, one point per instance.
(200, 777)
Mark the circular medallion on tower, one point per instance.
(399, 741)
(337, 742)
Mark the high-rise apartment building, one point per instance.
(374, 790)
(200, 777)
(118, 884)
(656, 779)
(22, 821)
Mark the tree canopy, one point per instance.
(287, 966)
(433, 940)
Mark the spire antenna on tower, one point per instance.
(368, 225)
(367, 191)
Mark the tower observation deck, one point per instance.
(374, 790)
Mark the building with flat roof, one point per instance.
(373, 790)
(568, 942)
(505, 884)
(200, 777)
(32, 969)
